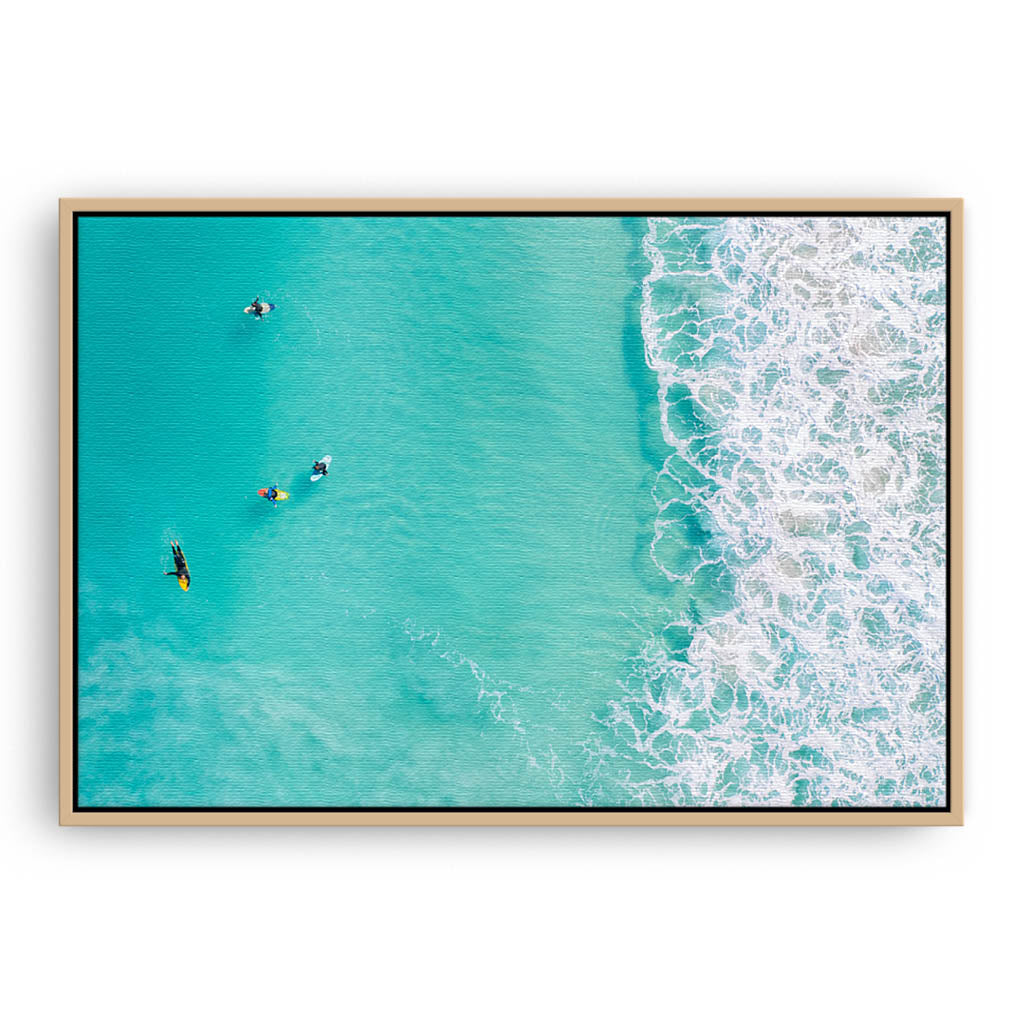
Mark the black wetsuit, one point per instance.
(320, 467)
(180, 568)
(257, 308)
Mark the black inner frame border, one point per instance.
(575, 214)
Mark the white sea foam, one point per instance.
(499, 697)
(801, 380)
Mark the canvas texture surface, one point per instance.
(621, 511)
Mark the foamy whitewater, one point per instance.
(802, 513)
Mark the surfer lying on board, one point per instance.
(180, 567)
(257, 308)
(272, 495)
(320, 467)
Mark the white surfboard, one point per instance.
(326, 459)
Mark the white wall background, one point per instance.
(529, 99)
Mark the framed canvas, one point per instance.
(632, 511)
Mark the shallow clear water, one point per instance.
(490, 600)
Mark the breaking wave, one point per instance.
(801, 515)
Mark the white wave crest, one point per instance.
(802, 514)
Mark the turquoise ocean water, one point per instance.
(525, 580)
